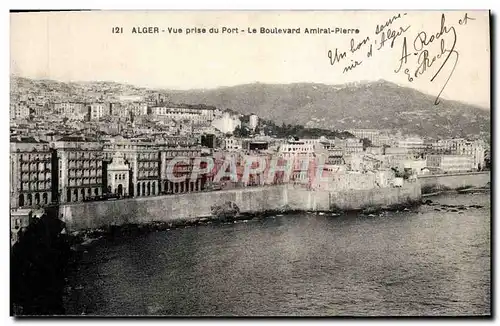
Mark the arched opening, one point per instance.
(96, 191)
(143, 188)
(30, 200)
(153, 191)
(149, 188)
(75, 194)
(138, 189)
(45, 198)
(68, 195)
(37, 199)
(21, 200)
(120, 190)
(89, 192)
(82, 192)
(165, 184)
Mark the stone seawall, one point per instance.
(91, 215)
(381, 197)
(456, 180)
(168, 208)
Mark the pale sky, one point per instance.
(81, 47)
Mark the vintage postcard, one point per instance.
(250, 163)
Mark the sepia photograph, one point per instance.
(250, 163)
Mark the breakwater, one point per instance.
(252, 200)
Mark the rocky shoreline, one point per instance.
(80, 240)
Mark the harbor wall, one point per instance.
(456, 180)
(91, 215)
(379, 197)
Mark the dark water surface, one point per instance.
(419, 262)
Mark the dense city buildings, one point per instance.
(19, 111)
(97, 148)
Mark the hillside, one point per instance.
(378, 104)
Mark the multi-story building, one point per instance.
(79, 169)
(70, 110)
(143, 160)
(149, 162)
(118, 110)
(474, 148)
(19, 111)
(296, 148)
(349, 145)
(30, 172)
(138, 108)
(179, 163)
(96, 111)
(147, 171)
(451, 163)
(118, 176)
(200, 114)
(413, 144)
(373, 135)
(233, 144)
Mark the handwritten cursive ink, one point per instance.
(404, 56)
(391, 35)
(450, 51)
(337, 57)
(380, 28)
(465, 19)
(426, 59)
(352, 66)
(360, 44)
(421, 40)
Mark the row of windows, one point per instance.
(84, 181)
(34, 157)
(147, 164)
(36, 199)
(83, 155)
(40, 185)
(120, 176)
(35, 165)
(183, 154)
(147, 174)
(85, 174)
(147, 156)
(35, 177)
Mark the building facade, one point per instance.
(30, 173)
(79, 169)
(451, 163)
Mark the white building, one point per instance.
(194, 114)
(451, 163)
(232, 144)
(413, 144)
(296, 148)
(118, 176)
(227, 123)
(254, 121)
(474, 148)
